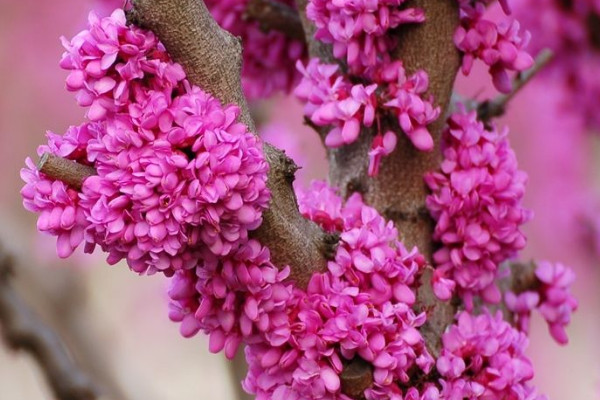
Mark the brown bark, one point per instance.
(70, 172)
(274, 15)
(212, 60)
(399, 192)
(23, 330)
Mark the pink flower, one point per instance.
(111, 63)
(233, 298)
(360, 30)
(498, 46)
(269, 57)
(382, 146)
(58, 205)
(557, 303)
(484, 357)
(176, 173)
(476, 202)
(332, 101)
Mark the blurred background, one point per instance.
(116, 322)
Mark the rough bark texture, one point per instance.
(212, 60)
(399, 192)
(188, 32)
(67, 171)
(211, 56)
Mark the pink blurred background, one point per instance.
(117, 323)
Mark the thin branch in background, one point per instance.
(274, 15)
(496, 107)
(23, 330)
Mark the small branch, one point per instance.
(495, 108)
(23, 330)
(274, 15)
(522, 278)
(70, 172)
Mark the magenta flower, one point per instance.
(552, 298)
(484, 357)
(111, 63)
(332, 101)
(476, 202)
(233, 298)
(269, 57)
(359, 30)
(176, 173)
(500, 46)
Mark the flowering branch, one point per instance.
(23, 330)
(398, 192)
(274, 15)
(212, 60)
(495, 108)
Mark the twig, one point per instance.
(495, 108)
(70, 172)
(23, 330)
(274, 15)
(522, 278)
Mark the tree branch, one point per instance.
(274, 15)
(23, 330)
(495, 108)
(70, 172)
(399, 192)
(212, 60)
(522, 278)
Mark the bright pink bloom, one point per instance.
(297, 341)
(112, 63)
(360, 30)
(331, 100)
(58, 205)
(500, 46)
(361, 306)
(269, 57)
(176, 173)
(484, 357)
(552, 298)
(476, 202)
(233, 298)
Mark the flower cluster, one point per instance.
(268, 57)
(476, 203)
(499, 46)
(176, 174)
(298, 341)
(333, 100)
(552, 298)
(112, 64)
(233, 298)
(570, 30)
(484, 357)
(360, 30)
(375, 86)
